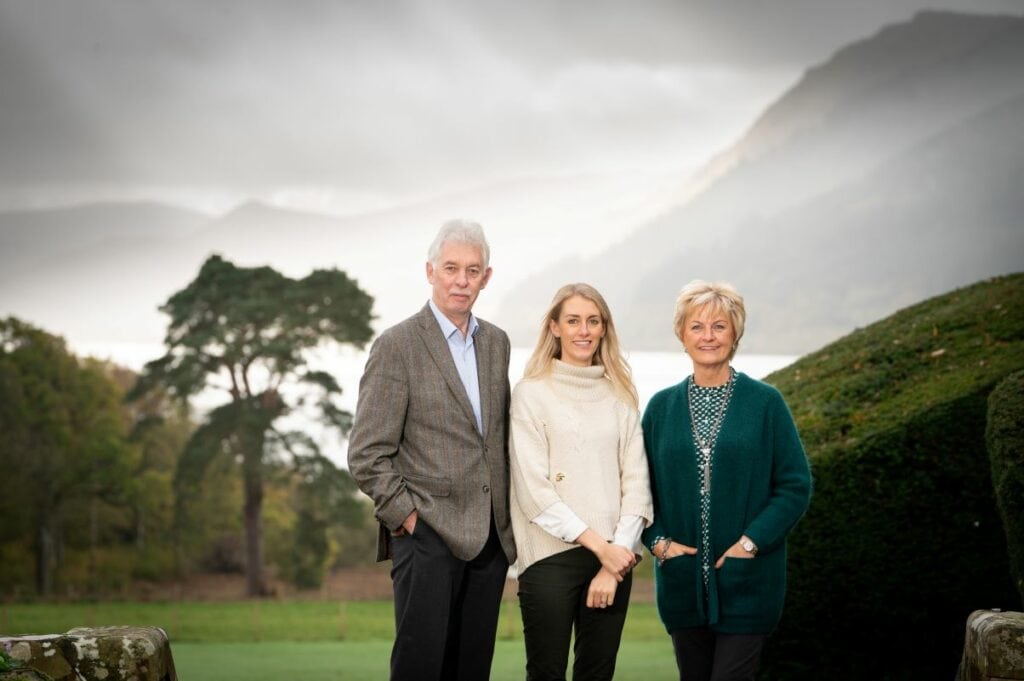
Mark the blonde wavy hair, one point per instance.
(609, 352)
(719, 296)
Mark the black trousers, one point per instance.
(703, 655)
(553, 600)
(446, 609)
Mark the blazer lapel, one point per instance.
(484, 355)
(437, 346)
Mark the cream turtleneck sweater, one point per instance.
(573, 440)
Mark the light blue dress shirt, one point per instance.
(464, 354)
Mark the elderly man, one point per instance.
(429, 446)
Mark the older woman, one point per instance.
(730, 479)
(579, 493)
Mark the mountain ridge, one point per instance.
(945, 70)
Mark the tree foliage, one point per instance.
(64, 453)
(247, 332)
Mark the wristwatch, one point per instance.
(748, 546)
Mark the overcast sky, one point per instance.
(559, 123)
(353, 106)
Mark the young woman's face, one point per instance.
(579, 329)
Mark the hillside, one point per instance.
(906, 365)
(887, 174)
(46, 239)
(99, 272)
(902, 536)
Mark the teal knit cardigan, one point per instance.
(760, 486)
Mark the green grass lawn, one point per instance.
(213, 622)
(310, 640)
(368, 661)
(259, 621)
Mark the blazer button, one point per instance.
(486, 489)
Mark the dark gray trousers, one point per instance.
(703, 655)
(446, 609)
(553, 600)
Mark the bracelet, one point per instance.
(655, 543)
(664, 553)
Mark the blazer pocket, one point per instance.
(428, 485)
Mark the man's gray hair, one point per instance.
(460, 231)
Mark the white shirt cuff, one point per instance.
(627, 532)
(560, 521)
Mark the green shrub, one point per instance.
(1005, 438)
(902, 539)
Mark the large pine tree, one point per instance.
(248, 332)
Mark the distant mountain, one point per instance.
(102, 271)
(98, 273)
(888, 174)
(30, 239)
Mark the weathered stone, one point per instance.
(42, 653)
(27, 674)
(98, 654)
(993, 647)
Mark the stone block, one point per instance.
(42, 653)
(97, 654)
(993, 647)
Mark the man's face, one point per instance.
(457, 279)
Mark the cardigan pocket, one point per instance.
(678, 591)
(747, 590)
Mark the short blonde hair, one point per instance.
(720, 296)
(609, 352)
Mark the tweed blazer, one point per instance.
(414, 444)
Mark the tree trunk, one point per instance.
(253, 473)
(44, 559)
(94, 545)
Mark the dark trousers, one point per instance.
(703, 655)
(553, 600)
(446, 609)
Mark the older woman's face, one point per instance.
(708, 336)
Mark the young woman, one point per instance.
(579, 489)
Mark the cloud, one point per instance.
(393, 98)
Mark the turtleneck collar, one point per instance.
(584, 383)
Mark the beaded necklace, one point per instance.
(706, 437)
(707, 410)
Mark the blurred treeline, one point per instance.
(88, 499)
(111, 477)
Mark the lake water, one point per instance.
(652, 371)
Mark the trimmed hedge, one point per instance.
(903, 539)
(1005, 438)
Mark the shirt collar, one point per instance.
(447, 327)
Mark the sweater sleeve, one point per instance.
(648, 424)
(635, 478)
(791, 480)
(528, 456)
